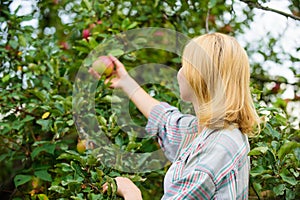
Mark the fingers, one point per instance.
(111, 80)
(104, 187)
(123, 179)
(120, 69)
(116, 61)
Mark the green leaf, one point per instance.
(22, 40)
(21, 179)
(281, 120)
(93, 196)
(78, 196)
(77, 169)
(70, 180)
(17, 125)
(295, 173)
(87, 4)
(39, 94)
(132, 25)
(3, 157)
(93, 43)
(126, 22)
(42, 197)
(133, 145)
(27, 18)
(291, 194)
(28, 118)
(297, 153)
(44, 123)
(257, 187)
(275, 134)
(287, 177)
(112, 99)
(212, 3)
(287, 148)
(49, 148)
(13, 43)
(119, 140)
(279, 189)
(258, 151)
(6, 78)
(65, 167)
(116, 52)
(70, 157)
(57, 188)
(258, 171)
(43, 175)
(114, 174)
(70, 122)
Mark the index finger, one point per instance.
(116, 61)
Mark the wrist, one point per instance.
(129, 86)
(133, 195)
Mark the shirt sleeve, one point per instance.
(171, 127)
(195, 185)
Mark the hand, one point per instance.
(121, 79)
(119, 76)
(126, 189)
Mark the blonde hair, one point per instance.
(218, 71)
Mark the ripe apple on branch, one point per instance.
(81, 146)
(103, 65)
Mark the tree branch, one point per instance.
(259, 6)
(206, 21)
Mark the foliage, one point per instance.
(37, 125)
(275, 156)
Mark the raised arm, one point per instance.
(143, 101)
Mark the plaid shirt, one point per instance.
(210, 165)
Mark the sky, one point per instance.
(285, 29)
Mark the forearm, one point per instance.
(143, 101)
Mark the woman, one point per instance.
(208, 151)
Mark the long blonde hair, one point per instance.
(218, 71)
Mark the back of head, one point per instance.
(217, 69)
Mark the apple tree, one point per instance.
(43, 154)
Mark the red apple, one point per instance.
(7, 47)
(103, 65)
(86, 33)
(64, 45)
(276, 88)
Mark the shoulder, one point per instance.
(225, 140)
(221, 150)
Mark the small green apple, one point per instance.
(103, 65)
(81, 146)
